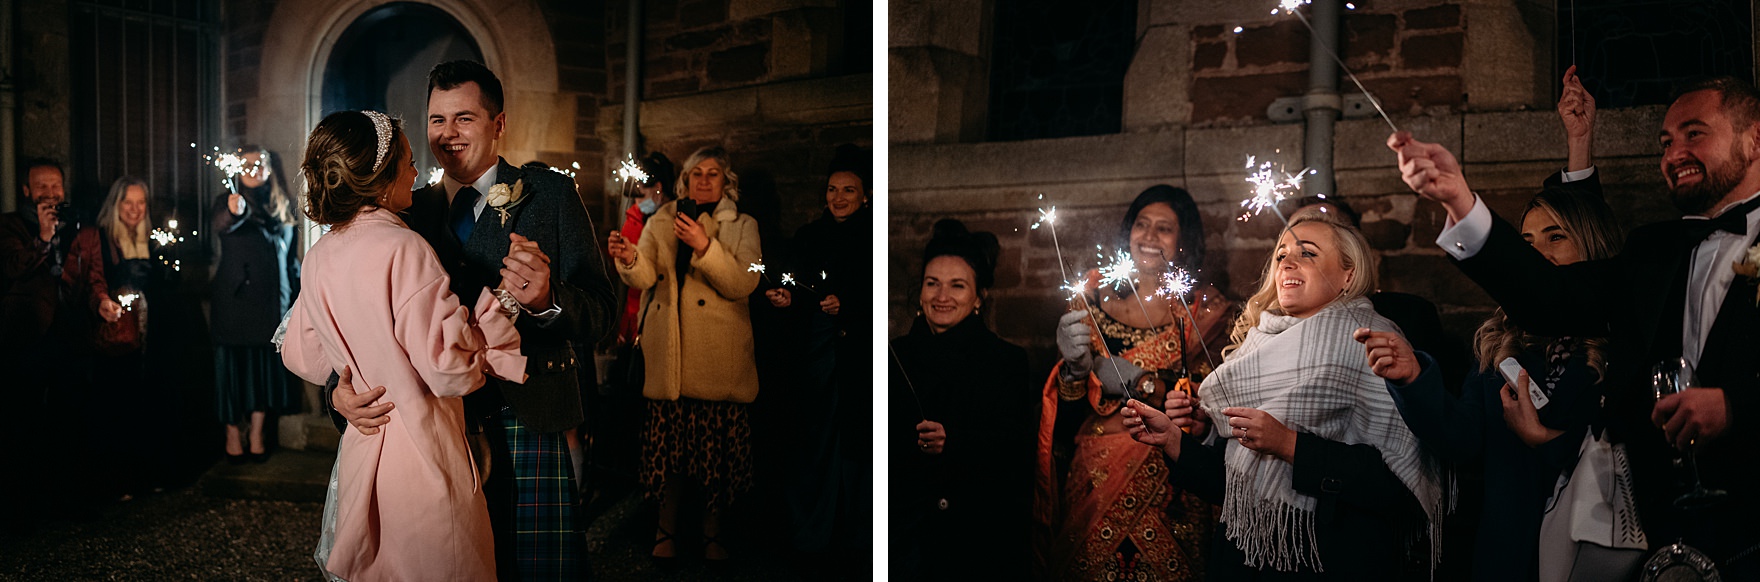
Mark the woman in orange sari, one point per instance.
(1103, 507)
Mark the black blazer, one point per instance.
(258, 275)
(559, 354)
(1638, 300)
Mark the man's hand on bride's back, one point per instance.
(356, 407)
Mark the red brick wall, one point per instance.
(1410, 60)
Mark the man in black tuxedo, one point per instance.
(1672, 293)
(525, 230)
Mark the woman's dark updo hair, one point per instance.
(660, 171)
(1190, 254)
(338, 166)
(852, 159)
(977, 249)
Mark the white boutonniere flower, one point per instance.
(1749, 267)
(502, 198)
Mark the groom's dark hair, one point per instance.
(449, 75)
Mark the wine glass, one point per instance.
(1673, 377)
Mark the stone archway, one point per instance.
(512, 35)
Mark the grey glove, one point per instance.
(1073, 344)
(1115, 380)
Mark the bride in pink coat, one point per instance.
(375, 301)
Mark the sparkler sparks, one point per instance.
(164, 238)
(1268, 188)
(434, 175)
(1046, 217)
(630, 171)
(127, 301)
(756, 268)
(1176, 283)
(788, 278)
(1119, 271)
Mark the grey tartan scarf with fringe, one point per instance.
(1311, 376)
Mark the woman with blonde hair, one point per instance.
(1490, 425)
(1294, 436)
(693, 264)
(408, 501)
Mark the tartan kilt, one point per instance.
(535, 507)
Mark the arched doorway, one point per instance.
(381, 62)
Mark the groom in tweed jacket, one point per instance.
(523, 229)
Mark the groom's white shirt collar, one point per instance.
(482, 185)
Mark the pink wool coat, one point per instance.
(375, 299)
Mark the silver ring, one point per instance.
(523, 285)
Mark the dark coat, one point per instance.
(45, 287)
(1363, 522)
(559, 353)
(840, 250)
(1467, 429)
(1637, 300)
(258, 275)
(965, 513)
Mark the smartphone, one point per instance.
(1510, 368)
(688, 207)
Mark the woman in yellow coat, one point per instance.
(696, 341)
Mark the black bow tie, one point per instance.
(1733, 220)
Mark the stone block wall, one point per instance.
(579, 33)
(243, 23)
(766, 79)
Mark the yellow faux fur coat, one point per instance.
(708, 320)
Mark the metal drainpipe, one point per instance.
(632, 83)
(1322, 104)
(8, 108)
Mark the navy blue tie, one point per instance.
(462, 216)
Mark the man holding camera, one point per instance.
(47, 296)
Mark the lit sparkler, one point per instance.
(1176, 283)
(127, 301)
(164, 238)
(630, 171)
(756, 268)
(1119, 271)
(434, 175)
(788, 279)
(1290, 7)
(1268, 188)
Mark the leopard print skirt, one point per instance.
(707, 444)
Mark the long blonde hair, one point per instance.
(1354, 254)
(132, 244)
(1590, 224)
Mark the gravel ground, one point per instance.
(177, 535)
(185, 535)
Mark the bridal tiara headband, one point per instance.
(382, 125)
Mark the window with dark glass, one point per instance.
(1057, 68)
(1635, 53)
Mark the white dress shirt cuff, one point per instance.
(1577, 176)
(1463, 239)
